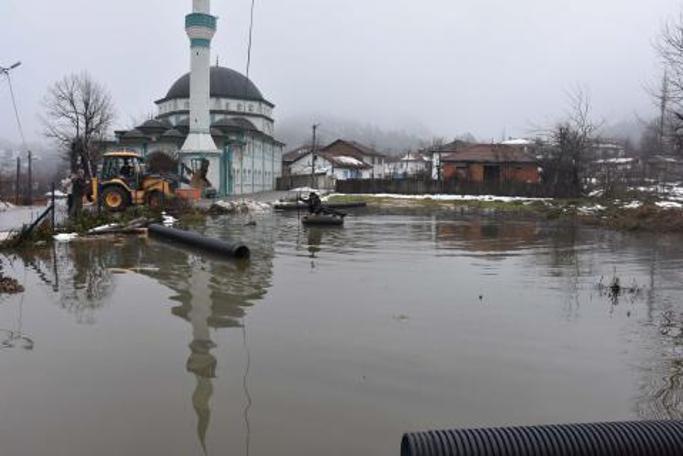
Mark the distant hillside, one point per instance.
(295, 131)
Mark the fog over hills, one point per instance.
(297, 130)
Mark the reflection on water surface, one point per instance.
(335, 341)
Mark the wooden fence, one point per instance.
(418, 186)
(321, 181)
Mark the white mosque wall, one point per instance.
(259, 113)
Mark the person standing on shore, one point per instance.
(78, 185)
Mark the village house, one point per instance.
(302, 162)
(340, 160)
(490, 164)
(436, 152)
(362, 153)
(411, 164)
(296, 161)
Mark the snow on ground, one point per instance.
(670, 190)
(58, 195)
(4, 206)
(590, 210)
(669, 205)
(616, 161)
(65, 237)
(243, 206)
(489, 198)
(632, 205)
(305, 190)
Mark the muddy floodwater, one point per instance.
(336, 341)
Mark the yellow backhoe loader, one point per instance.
(123, 182)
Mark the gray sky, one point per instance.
(448, 65)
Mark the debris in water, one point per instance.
(132, 227)
(168, 220)
(105, 228)
(10, 286)
(615, 289)
(238, 207)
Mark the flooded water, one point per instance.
(336, 341)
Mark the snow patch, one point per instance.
(488, 198)
(58, 195)
(616, 161)
(242, 206)
(65, 237)
(590, 210)
(669, 205)
(5, 206)
(350, 161)
(633, 205)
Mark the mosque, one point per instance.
(213, 122)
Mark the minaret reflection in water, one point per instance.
(212, 295)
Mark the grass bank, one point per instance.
(635, 213)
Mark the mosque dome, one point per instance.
(225, 83)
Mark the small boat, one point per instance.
(293, 206)
(323, 220)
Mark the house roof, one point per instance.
(414, 157)
(489, 153)
(518, 142)
(449, 147)
(296, 154)
(360, 149)
(345, 161)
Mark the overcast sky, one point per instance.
(451, 66)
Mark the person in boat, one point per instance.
(316, 207)
(315, 204)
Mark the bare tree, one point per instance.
(78, 114)
(670, 96)
(569, 145)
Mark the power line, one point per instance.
(16, 110)
(251, 36)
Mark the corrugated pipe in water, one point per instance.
(646, 438)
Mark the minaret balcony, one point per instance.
(200, 20)
(200, 33)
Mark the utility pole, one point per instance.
(6, 72)
(664, 101)
(29, 190)
(314, 157)
(16, 185)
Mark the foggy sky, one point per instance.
(450, 66)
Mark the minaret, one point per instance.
(201, 27)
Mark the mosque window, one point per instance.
(239, 106)
(227, 106)
(251, 108)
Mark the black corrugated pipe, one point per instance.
(210, 245)
(646, 438)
